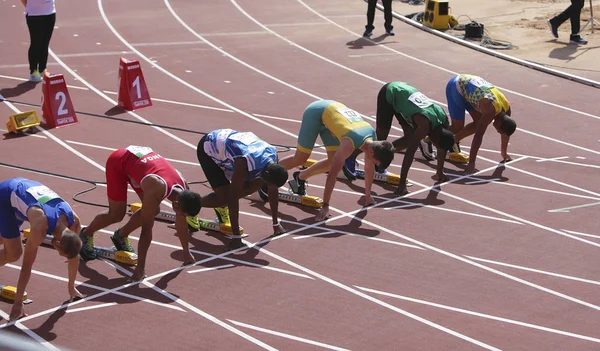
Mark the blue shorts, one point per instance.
(9, 224)
(457, 104)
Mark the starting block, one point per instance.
(309, 163)
(289, 196)
(458, 157)
(389, 178)
(111, 253)
(168, 216)
(9, 293)
(20, 122)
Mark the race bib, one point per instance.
(245, 138)
(420, 100)
(351, 115)
(42, 194)
(481, 83)
(139, 151)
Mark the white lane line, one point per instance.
(482, 315)
(582, 234)
(27, 134)
(552, 159)
(93, 54)
(81, 309)
(29, 332)
(564, 276)
(287, 336)
(568, 209)
(95, 287)
(483, 181)
(25, 80)
(180, 103)
(278, 118)
(211, 268)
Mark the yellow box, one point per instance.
(9, 292)
(437, 14)
(21, 121)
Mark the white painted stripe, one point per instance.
(28, 134)
(483, 181)
(482, 315)
(277, 118)
(568, 209)
(371, 55)
(287, 336)
(167, 43)
(24, 80)
(356, 235)
(564, 276)
(29, 332)
(582, 234)
(81, 309)
(99, 53)
(551, 159)
(210, 268)
(314, 235)
(113, 149)
(179, 103)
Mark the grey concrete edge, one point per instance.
(561, 74)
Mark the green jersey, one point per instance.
(408, 101)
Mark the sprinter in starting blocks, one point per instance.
(9, 293)
(111, 253)
(194, 223)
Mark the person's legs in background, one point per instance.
(35, 43)
(573, 13)
(47, 28)
(387, 14)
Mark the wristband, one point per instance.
(276, 224)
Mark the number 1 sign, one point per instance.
(57, 108)
(133, 93)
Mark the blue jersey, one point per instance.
(17, 195)
(224, 145)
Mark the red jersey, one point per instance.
(132, 165)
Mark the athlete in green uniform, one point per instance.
(419, 118)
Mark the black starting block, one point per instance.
(111, 253)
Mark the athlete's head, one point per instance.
(504, 124)
(442, 138)
(275, 174)
(190, 202)
(69, 245)
(383, 151)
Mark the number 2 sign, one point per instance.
(133, 93)
(57, 108)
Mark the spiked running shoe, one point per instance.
(298, 185)
(349, 168)
(427, 151)
(223, 215)
(263, 192)
(87, 249)
(121, 244)
(193, 223)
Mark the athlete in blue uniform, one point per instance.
(27, 200)
(236, 164)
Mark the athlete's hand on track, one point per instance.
(470, 169)
(138, 275)
(279, 229)
(440, 178)
(75, 294)
(323, 213)
(18, 311)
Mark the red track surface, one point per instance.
(431, 279)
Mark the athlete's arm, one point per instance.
(421, 130)
(488, 112)
(73, 263)
(183, 232)
(153, 190)
(369, 175)
(274, 203)
(236, 191)
(39, 226)
(345, 149)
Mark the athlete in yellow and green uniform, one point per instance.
(342, 131)
(486, 104)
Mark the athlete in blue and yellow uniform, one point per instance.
(237, 164)
(342, 131)
(486, 104)
(27, 200)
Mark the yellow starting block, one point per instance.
(10, 292)
(389, 178)
(111, 253)
(309, 162)
(168, 216)
(21, 121)
(458, 157)
(289, 196)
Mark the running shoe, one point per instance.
(87, 249)
(121, 244)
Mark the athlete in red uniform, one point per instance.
(154, 179)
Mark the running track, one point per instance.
(481, 264)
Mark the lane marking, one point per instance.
(482, 181)
(211, 268)
(287, 336)
(95, 287)
(25, 80)
(568, 209)
(167, 43)
(564, 276)
(552, 159)
(277, 118)
(582, 234)
(482, 315)
(180, 103)
(93, 54)
(81, 309)
(29, 332)
(356, 235)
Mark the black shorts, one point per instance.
(386, 113)
(214, 174)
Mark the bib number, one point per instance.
(351, 115)
(420, 100)
(139, 151)
(42, 194)
(481, 83)
(245, 138)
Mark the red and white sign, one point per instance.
(133, 93)
(57, 108)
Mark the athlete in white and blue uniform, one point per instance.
(23, 200)
(236, 164)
